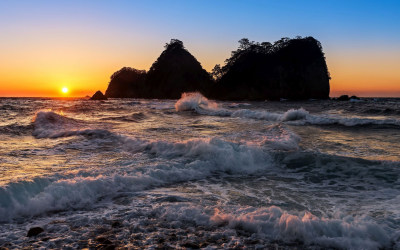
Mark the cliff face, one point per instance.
(289, 68)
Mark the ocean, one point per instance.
(196, 173)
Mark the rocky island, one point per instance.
(98, 96)
(289, 68)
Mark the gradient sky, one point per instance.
(45, 45)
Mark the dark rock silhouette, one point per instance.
(346, 98)
(354, 97)
(98, 96)
(343, 98)
(127, 82)
(174, 72)
(289, 69)
(34, 231)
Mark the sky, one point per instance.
(48, 45)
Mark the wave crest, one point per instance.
(195, 101)
(201, 105)
(48, 124)
(276, 223)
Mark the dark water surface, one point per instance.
(197, 173)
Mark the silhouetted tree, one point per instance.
(174, 43)
(266, 46)
(217, 72)
(244, 44)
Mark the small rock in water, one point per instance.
(34, 231)
(191, 245)
(343, 98)
(98, 96)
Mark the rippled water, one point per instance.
(198, 173)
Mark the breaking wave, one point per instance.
(278, 225)
(263, 189)
(184, 161)
(190, 160)
(279, 138)
(193, 160)
(48, 124)
(198, 103)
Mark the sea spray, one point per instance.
(200, 104)
(195, 101)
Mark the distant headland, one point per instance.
(293, 69)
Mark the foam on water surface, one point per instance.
(200, 104)
(142, 174)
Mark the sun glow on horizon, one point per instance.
(64, 90)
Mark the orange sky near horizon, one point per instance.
(361, 73)
(46, 45)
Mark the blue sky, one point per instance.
(132, 33)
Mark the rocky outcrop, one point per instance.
(290, 69)
(346, 98)
(98, 96)
(343, 98)
(174, 72)
(127, 82)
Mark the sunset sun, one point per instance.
(64, 90)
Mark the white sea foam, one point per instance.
(49, 194)
(190, 160)
(232, 224)
(201, 105)
(280, 138)
(252, 194)
(290, 115)
(349, 122)
(350, 232)
(195, 101)
(276, 224)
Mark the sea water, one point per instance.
(195, 173)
